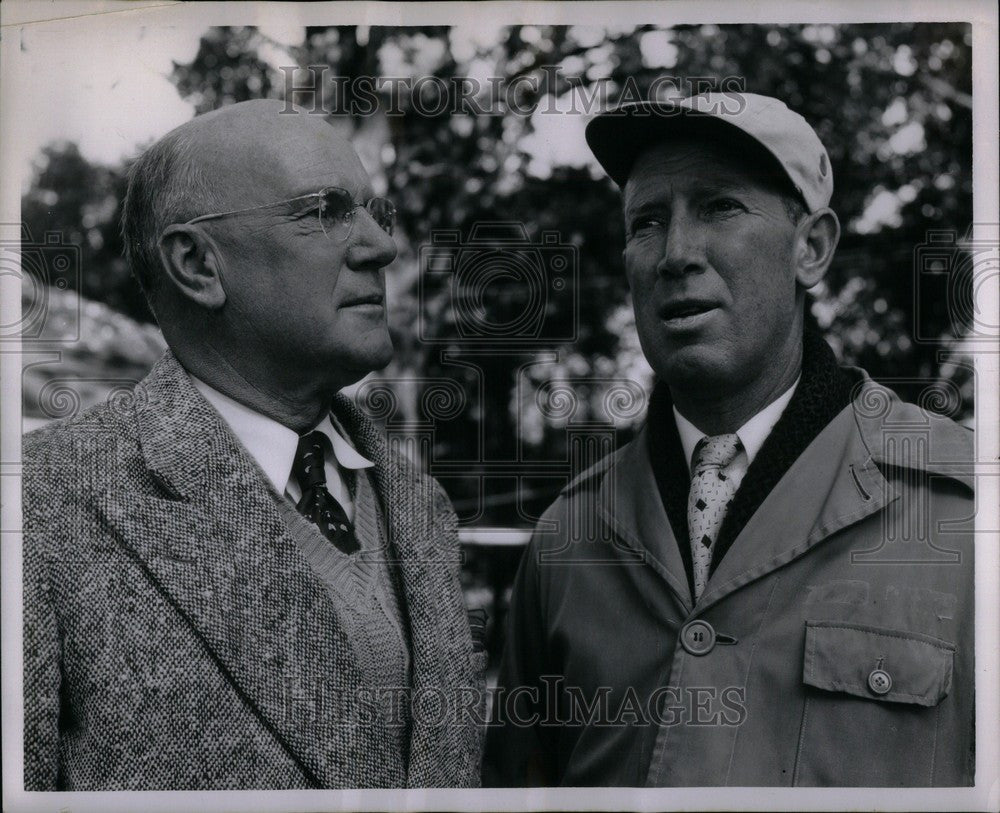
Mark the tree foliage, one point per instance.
(891, 102)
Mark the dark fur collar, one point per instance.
(824, 390)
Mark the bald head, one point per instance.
(253, 149)
(239, 156)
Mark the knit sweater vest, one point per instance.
(365, 590)
(823, 391)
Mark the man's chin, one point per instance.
(694, 366)
(373, 360)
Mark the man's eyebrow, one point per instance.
(298, 197)
(701, 186)
(359, 193)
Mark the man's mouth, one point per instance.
(685, 310)
(367, 299)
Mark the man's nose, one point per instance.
(370, 245)
(683, 249)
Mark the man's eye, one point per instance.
(645, 224)
(335, 208)
(330, 212)
(724, 206)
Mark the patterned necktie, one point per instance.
(316, 503)
(712, 488)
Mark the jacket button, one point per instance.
(698, 637)
(879, 681)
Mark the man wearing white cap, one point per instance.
(772, 583)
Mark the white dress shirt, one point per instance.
(752, 434)
(273, 446)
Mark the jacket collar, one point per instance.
(177, 428)
(220, 555)
(219, 552)
(836, 482)
(752, 434)
(832, 485)
(273, 445)
(845, 475)
(629, 504)
(899, 435)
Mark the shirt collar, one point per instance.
(347, 456)
(752, 434)
(271, 444)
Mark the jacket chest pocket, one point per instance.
(872, 699)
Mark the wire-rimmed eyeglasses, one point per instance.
(336, 210)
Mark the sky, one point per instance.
(103, 82)
(107, 88)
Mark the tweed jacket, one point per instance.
(175, 638)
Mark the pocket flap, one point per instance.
(841, 657)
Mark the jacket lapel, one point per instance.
(631, 506)
(423, 541)
(833, 484)
(217, 551)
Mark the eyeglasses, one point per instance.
(335, 208)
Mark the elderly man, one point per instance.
(772, 583)
(231, 581)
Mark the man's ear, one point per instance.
(193, 264)
(816, 240)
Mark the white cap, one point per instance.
(617, 136)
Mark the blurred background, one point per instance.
(517, 361)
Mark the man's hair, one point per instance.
(164, 187)
(795, 208)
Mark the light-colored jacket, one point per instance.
(859, 561)
(175, 638)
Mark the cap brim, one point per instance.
(617, 137)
